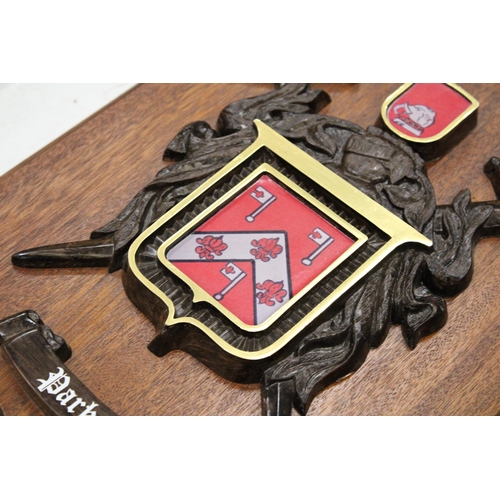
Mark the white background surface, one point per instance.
(32, 115)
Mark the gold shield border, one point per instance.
(201, 295)
(398, 231)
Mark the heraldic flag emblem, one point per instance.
(259, 251)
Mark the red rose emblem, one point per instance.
(266, 248)
(272, 292)
(210, 245)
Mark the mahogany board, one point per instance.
(83, 179)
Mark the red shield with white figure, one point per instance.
(259, 251)
(426, 110)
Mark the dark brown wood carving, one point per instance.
(408, 289)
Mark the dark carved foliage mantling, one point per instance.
(455, 230)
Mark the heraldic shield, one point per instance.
(256, 254)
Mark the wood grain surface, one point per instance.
(84, 179)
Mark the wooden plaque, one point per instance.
(84, 179)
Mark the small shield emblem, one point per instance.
(432, 117)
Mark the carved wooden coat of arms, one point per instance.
(283, 244)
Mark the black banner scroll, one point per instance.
(38, 356)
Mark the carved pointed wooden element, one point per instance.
(88, 253)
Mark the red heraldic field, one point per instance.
(259, 251)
